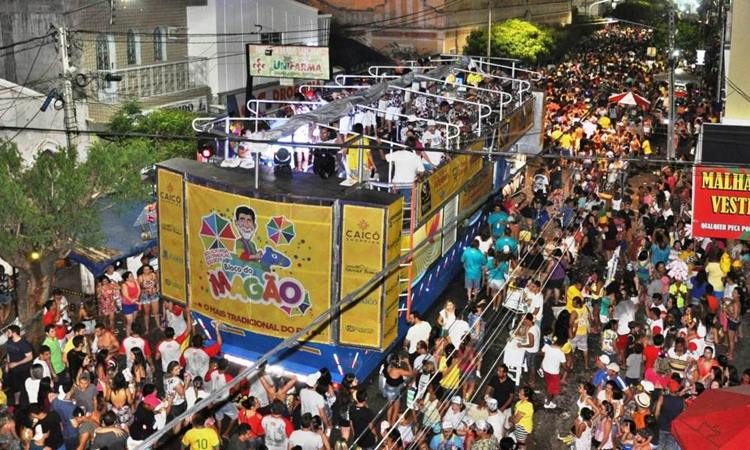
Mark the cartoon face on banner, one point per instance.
(259, 265)
(232, 256)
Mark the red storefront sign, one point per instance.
(721, 202)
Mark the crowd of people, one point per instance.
(427, 119)
(618, 305)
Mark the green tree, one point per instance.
(175, 122)
(52, 206)
(513, 38)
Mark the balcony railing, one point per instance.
(153, 80)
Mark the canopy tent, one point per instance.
(123, 229)
(716, 420)
(629, 98)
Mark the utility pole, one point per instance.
(489, 29)
(720, 77)
(69, 106)
(672, 61)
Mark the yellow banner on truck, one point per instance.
(258, 265)
(171, 235)
(446, 181)
(362, 250)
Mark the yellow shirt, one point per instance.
(604, 122)
(352, 155)
(715, 276)
(527, 415)
(566, 141)
(451, 377)
(646, 147)
(203, 438)
(570, 294)
(583, 320)
(555, 135)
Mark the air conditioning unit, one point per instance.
(174, 33)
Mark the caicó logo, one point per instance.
(362, 234)
(169, 196)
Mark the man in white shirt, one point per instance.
(175, 317)
(406, 166)
(531, 343)
(458, 330)
(552, 362)
(312, 398)
(135, 341)
(536, 300)
(168, 350)
(418, 331)
(304, 437)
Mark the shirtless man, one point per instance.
(104, 339)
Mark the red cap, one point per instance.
(673, 386)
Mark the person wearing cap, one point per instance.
(613, 374)
(485, 439)
(312, 396)
(668, 407)
(144, 418)
(455, 415)
(446, 439)
(497, 419)
(643, 409)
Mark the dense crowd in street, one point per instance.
(597, 264)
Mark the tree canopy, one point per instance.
(52, 206)
(513, 38)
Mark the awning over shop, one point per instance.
(122, 236)
(717, 420)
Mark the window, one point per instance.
(102, 52)
(134, 48)
(160, 44)
(270, 38)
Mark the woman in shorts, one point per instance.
(130, 291)
(149, 295)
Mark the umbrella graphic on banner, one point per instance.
(216, 232)
(299, 309)
(280, 230)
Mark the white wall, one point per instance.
(20, 107)
(202, 20)
(297, 21)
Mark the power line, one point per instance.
(26, 79)
(26, 41)
(593, 158)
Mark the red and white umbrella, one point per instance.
(629, 98)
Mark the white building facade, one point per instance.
(220, 30)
